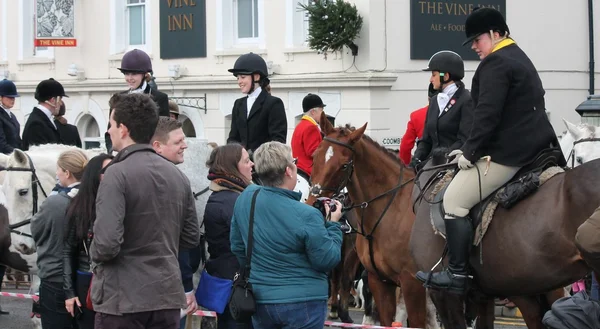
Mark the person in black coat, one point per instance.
(10, 129)
(136, 67)
(69, 134)
(230, 171)
(40, 127)
(450, 114)
(509, 124)
(259, 117)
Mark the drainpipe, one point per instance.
(591, 36)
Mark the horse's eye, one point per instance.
(579, 160)
(23, 192)
(345, 166)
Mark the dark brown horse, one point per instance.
(380, 189)
(343, 275)
(526, 252)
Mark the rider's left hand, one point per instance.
(464, 163)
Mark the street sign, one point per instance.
(54, 24)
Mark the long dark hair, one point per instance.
(82, 210)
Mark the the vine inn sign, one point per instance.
(440, 25)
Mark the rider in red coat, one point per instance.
(414, 129)
(307, 135)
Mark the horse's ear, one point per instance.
(572, 129)
(20, 157)
(357, 134)
(326, 126)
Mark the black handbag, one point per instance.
(242, 304)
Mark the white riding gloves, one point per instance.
(463, 163)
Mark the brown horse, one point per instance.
(527, 251)
(380, 189)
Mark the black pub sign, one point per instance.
(182, 28)
(440, 25)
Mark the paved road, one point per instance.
(20, 310)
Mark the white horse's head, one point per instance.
(26, 190)
(574, 143)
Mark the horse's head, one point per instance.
(25, 186)
(333, 160)
(583, 139)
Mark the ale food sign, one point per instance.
(440, 25)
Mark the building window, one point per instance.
(89, 129)
(27, 22)
(136, 12)
(297, 24)
(130, 25)
(188, 126)
(246, 14)
(240, 23)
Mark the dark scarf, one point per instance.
(227, 181)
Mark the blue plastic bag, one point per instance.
(213, 293)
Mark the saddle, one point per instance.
(524, 183)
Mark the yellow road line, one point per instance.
(506, 323)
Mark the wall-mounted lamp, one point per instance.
(175, 71)
(75, 71)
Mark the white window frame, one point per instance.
(4, 27)
(27, 34)
(87, 120)
(226, 29)
(119, 27)
(296, 25)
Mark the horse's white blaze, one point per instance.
(328, 154)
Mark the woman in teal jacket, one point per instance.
(294, 247)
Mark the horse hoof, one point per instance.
(333, 315)
(348, 320)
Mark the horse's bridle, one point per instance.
(572, 153)
(348, 167)
(35, 182)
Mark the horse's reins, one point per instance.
(349, 169)
(572, 153)
(35, 182)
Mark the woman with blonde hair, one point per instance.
(47, 229)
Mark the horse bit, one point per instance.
(35, 182)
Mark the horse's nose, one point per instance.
(25, 249)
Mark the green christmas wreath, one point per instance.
(333, 24)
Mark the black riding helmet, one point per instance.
(484, 20)
(136, 61)
(447, 61)
(249, 64)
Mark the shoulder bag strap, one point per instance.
(250, 234)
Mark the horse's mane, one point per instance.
(348, 129)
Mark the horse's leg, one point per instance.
(415, 299)
(351, 263)
(334, 289)
(484, 310)
(450, 308)
(531, 309)
(385, 299)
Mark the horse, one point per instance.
(577, 143)
(380, 188)
(528, 253)
(28, 179)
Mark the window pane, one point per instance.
(244, 13)
(136, 25)
(255, 18)
(91, 128)
(132, 1)
(91, 145)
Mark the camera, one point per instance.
(323, 202)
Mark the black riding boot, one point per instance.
(459, 235)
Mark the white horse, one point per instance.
(29, 177)
(580, 144)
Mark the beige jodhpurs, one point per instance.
(463, 192)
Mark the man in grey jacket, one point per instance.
(145, 212)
